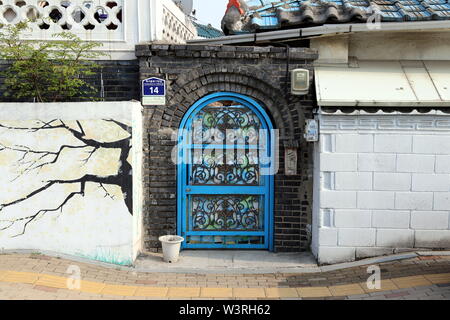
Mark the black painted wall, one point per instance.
(120, 80)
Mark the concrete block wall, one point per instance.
(382, 184)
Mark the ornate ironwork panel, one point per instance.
(227, 213)
(225, 125)
(225, 167)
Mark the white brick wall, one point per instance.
(352, 218)
(431, 144)
(393, 144)
(338, 162)
(390, 181)
(376, 162)
(442, 164)
(385, 184)
(430, 182)
(433, 238)
(356, 237)
(414, 200)
(415, 163)
(354, 143)
(429, 220)
(353, 180)
(328, 236)
(442, 201)
(331, 255)
(376, 200)
(395, 238)
(338, 199)
(394, 219)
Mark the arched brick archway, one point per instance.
(189, 88)
(192, 75)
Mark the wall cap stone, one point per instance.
(151, 49)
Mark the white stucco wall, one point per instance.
(382, 45)
(382, 184)
(426, 45)
(138, 187)
(97, 224)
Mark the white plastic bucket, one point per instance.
(171, 247)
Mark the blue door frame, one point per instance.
(185, 190)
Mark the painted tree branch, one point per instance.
(31, 218)
(122, 179)
(120, 124)
(45, 126)
(36, 164)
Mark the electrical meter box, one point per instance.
(300, 82)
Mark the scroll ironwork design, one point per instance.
(230, 167)
(234, 124)
(226, 213)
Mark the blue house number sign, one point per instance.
(154, 92)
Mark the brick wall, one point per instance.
(194, 71)
(382, 184)
(120, 80)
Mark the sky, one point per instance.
(210, 11)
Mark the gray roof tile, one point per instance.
(265, 15)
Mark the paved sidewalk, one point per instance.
(35, 276)
(229, 261)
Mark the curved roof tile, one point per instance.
(207, 31)
(245, 16)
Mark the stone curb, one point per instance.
(240, 270)
(433, 253)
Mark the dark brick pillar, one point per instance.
(194, 71)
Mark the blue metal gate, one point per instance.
(225, 174)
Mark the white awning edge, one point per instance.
(385, 83)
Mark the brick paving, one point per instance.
(35, 276)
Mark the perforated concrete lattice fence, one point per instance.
(118, 24)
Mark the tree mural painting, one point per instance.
(32, 159)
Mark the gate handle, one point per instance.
(188, 189)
